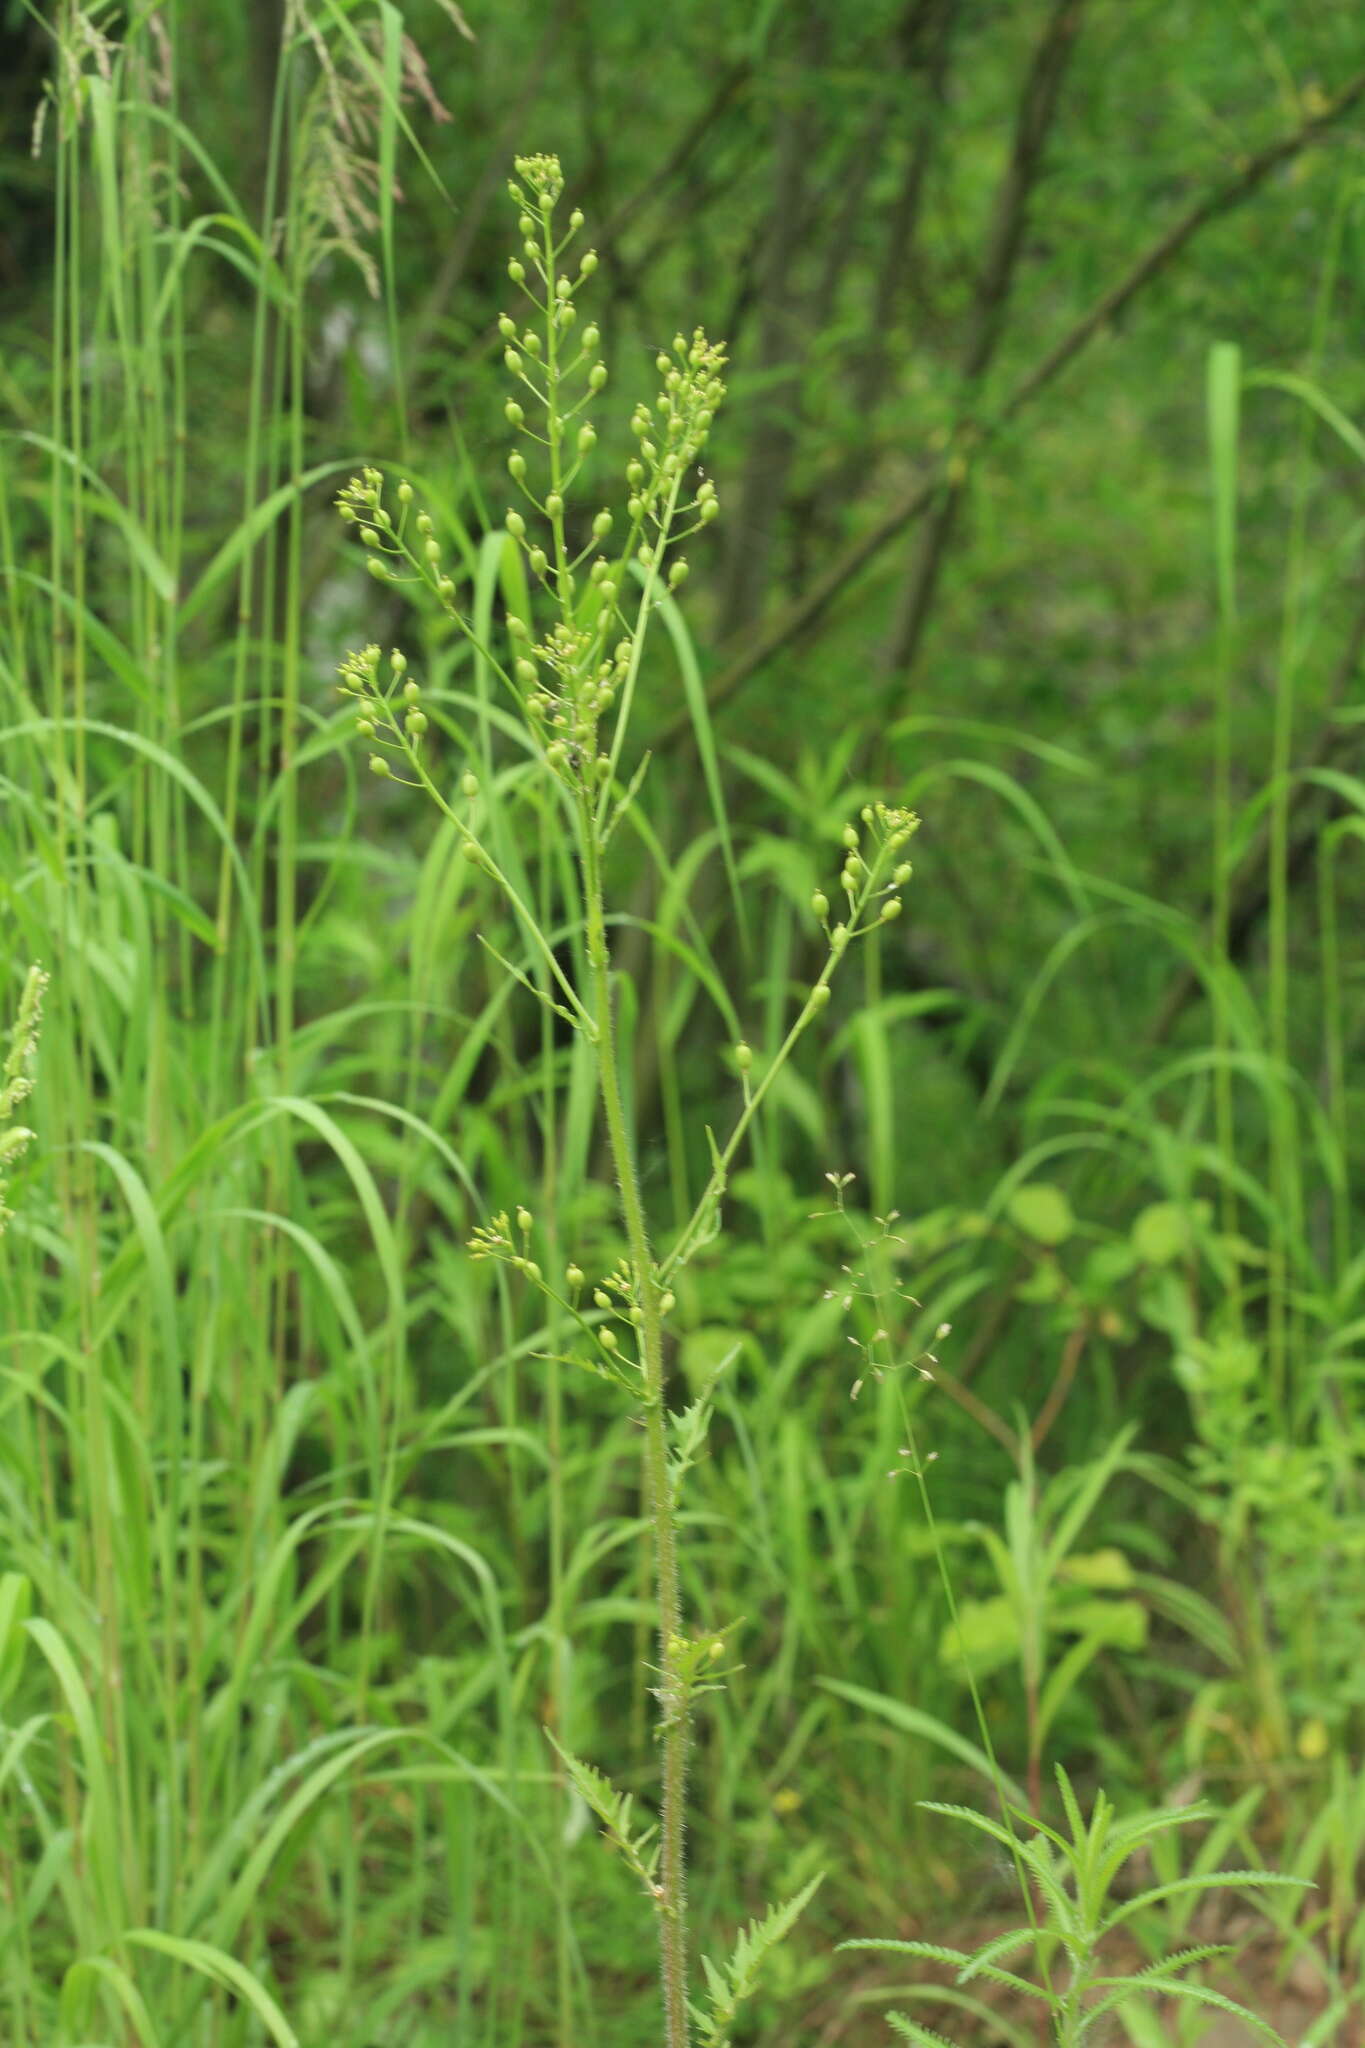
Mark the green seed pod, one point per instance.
(526, 226)
(554, 505)
(507, 328)
(512, 360)
(524, 1220)
(891, 908)
(379, 766)
(530, 341)
(526, 672)
(707, 510)
(850, 837)
(668, 1301)
(608, 1339)
(601, 526)
(677, 574)
(591, 337)
(819, 995)
(445, 586)
(635, 508)
(424, 522)
(469, 783)
(539, 561)
(744, 1057)
(516, 525)
(516, 466)
(588, 263)
(902, 874)
(432, 551)
(819, 903)
(575, 220)
(602, 1299)
(365, 727)
(369, 536)
(574, 1276)
(838, 938)
(516, 271)
(377, 568)
(405, 493)
(597, 376)
(587, 439)
(635, 474)
(416, 724)
(513, 413)
(411, 691)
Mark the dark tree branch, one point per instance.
(1033, 124)
(805, 611)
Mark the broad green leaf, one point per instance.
(1042, 1212)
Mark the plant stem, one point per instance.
(672, 1897)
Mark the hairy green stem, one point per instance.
(671, 1891)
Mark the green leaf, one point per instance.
(1042, 1212)
(1162, 1232)
(1106, 1570)
(985, 1635)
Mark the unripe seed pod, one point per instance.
(556, 753)
(591, 337)
(576, 220)
(424, 522)
(635, 507)
(412, 691)
(432, 551)
(637, 1315)
(677, 574)
(524, 1219)
(416, 723)
(819, 995)
(365, 727)
(516, 271)
(707, 510)
(587, 439)
(562, 287)
(516, 466)
(507, 328)
(369, 536)
(526, 226)
(588, 264)
(744, 1057)
(445, 586)
(838, 938)
(513, 412)
(902, 874)
(850, 837)
(574, 1276)
(539, 561)
(608, 1339)
(405, 493)
(668, 1301)
(512, 360)
(597, 376)
(469, 783)
(516, 525)
(601, 526)
(517, 628)
(530, 341)
(379, 766)
(819, 903)
(608, 593)
(891, 908)
(635, 474)
(525, 672)
(602, 1299)
(554, 505)
(377, 568)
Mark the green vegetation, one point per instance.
(584, 1372)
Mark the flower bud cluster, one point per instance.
(873, 874)
(389, 710)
